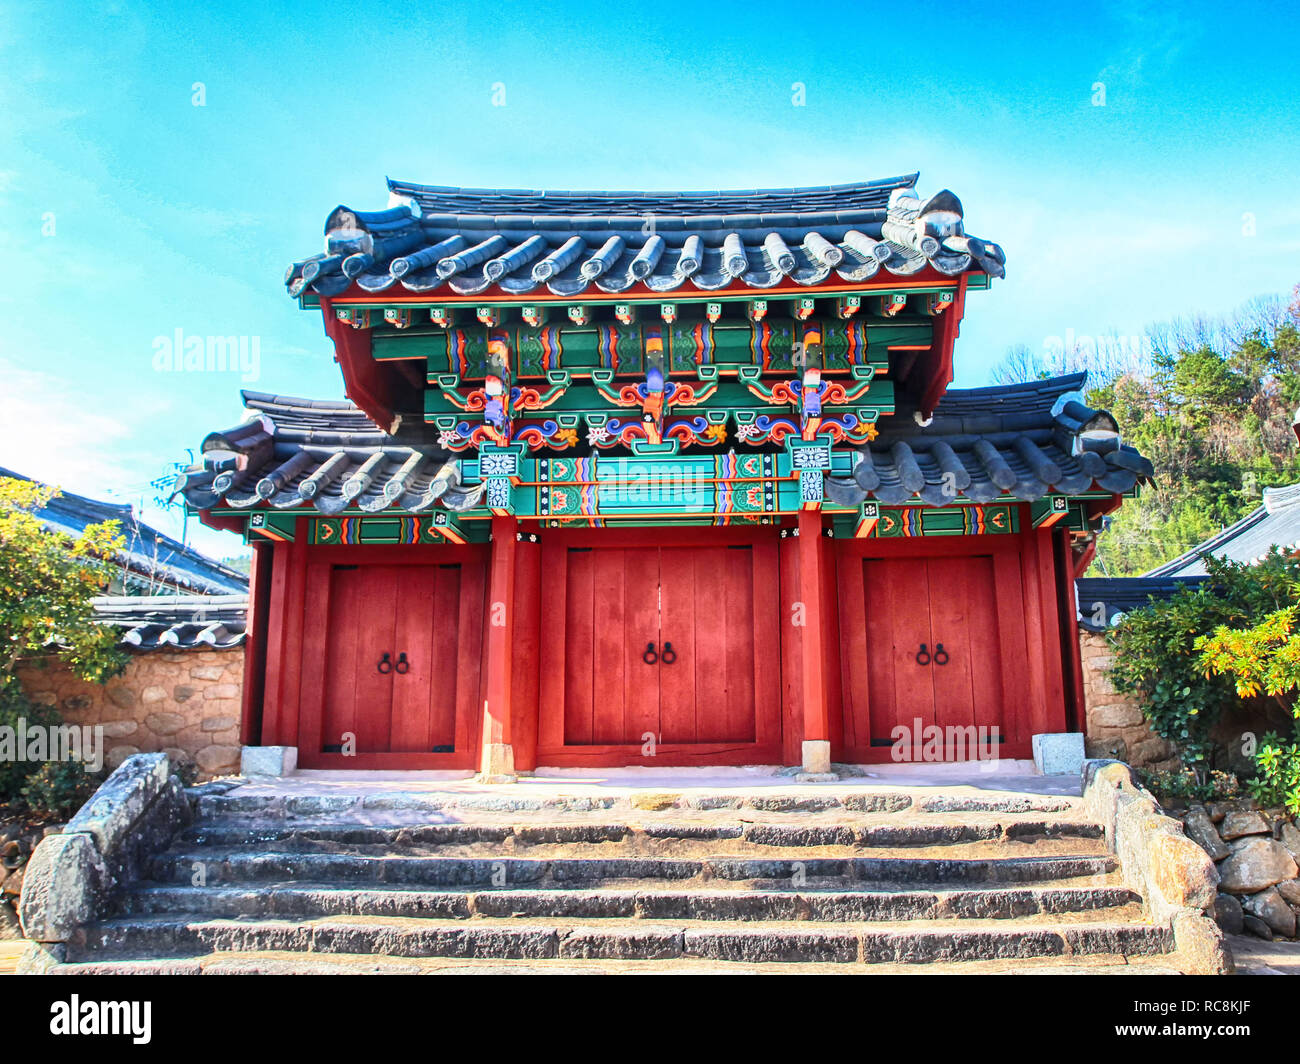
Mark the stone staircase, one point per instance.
(809, 879)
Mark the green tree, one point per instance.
(47, 581)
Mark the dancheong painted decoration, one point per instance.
(675, 478)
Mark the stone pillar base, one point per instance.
(498, 764)
(268, 761)
(816, 762)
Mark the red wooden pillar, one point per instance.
(259, 604)
(816, 709)
(496, 761)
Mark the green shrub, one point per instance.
(1277, 779)
(15, 707)
(1158, 651)
(59, 788)
(1182, 785)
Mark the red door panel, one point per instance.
(897, 593)
(358, 697)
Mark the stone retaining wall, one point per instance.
(185, 703)
(1115, 728)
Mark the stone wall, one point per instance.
(185, 703)
(1115, 728)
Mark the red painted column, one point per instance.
(259, 601)
(496, 761)
(816, 710)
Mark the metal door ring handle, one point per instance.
(670, 655)
(403, 666)
(940, 655)
(923, 653)
(650, 657)
(385, 665)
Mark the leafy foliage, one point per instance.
(1158, 655)
(14, 706)
(1277, 779)
(59, 788)
(1182, 784)
(47, 581)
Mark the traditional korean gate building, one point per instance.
(657, 478)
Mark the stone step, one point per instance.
(235, 866)
(912, 942)
(280, 963)
(850, 800)
(327, 899)
(656, 836)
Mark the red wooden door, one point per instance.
(969, 614)
(659, 648)
(392, 676)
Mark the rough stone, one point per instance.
(1255, 926)
(1228, 914)
(1115, 715)
(1239, 823)
(182, 693)
(164, 723)
(117, 754)
(212, 724)
(1290, 890)
(64, 882)
(267, 760)
(1200, 945)
(153, 694)
(206, 672)
(118, 729)
(221, 690)
(1182, 871)
(1201, 831)
(121, 800)
(1269, 906)
(1289, 836)
(1255, 864)
(217, 757)
(120, 695)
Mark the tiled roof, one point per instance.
(1112, 597)
(463, 241)
(1024, 440)
(1275, 524)
(149, 555)
(176, 622)
(325, 452)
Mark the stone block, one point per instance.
(816, 757)
(267, 760)
(62, 888)
(1239, 823)
(221, 690)
(1269, 906)
(1115, 715)
(121, 800)
(1255, 863)
(164, 723)
(1058, 753)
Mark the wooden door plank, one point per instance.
(420, 619)
(704, 662)
(642, 570)
(579, 650)
(853, 661)
(609, 658)
(471, 645)
(526, 655)
(684, 580)
(951, 617)
(552, 697)
(765, 594)
(740, 647)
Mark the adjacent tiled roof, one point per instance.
(176, 622)
(462, 241)
(1023, 440)
(1274, 524)
(149, 555)
(325, 452)
(1119, 595)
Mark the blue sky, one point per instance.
(127, 212)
